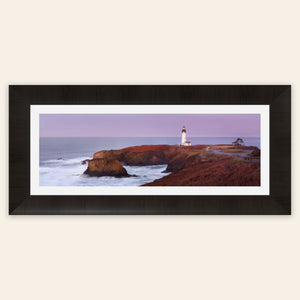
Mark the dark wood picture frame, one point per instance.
(277, 96)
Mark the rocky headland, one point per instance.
(199, 165)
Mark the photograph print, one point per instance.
(92, 150)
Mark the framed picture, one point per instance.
(150, 150)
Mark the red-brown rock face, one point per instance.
(102, 167)
(190, 166)
(137, 156)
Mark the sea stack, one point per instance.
(102, 167)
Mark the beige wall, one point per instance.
(149, 257)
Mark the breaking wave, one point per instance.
(68, 172)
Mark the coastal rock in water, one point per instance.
(83, 162)
(103, 167)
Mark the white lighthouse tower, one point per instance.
(183, 136)
(184, 142)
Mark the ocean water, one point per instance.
(60, 159)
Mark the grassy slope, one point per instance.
(224, 172)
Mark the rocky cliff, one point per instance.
(193, 165)
(137, 156)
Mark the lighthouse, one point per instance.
(184, 142)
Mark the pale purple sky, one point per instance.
(149, 125)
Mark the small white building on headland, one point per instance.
(184, 142)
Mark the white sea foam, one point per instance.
(68, 172)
